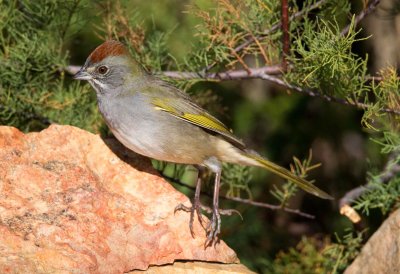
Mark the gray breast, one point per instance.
(154, 133)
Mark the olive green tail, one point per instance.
(284, 173)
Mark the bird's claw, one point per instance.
(195, 208)
(214, 226)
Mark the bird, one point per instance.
(156, 119)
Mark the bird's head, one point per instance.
(109, 68)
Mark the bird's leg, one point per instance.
(214, 227)
(197, 206)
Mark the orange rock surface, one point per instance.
(68, 203)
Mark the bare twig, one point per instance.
(273, 207)
(226, 75)
(390, 171)
(285, 33)
(264, 73)
(247, 201)
(261, 74)
(271, 70)
(370, 7)
(328, 98)
(377, 78)
(71, 69)
(352, 195)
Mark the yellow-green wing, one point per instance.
(183, 108)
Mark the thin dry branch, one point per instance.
(226, 75)
(345, 202)
(247, 201)
(269, 206)
(370, 7)
(376, 78)
(265, 73)
(285, 33)
(325, 97)
(262, 73)
(71, 69)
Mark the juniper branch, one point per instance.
(389, 172)
(275, 27)
(265, 73)
(325, 97)
(249, 39)
(71, 12)
(226, 75)
(260, 73)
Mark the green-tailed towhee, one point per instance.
(157, 120)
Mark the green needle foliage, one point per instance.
(237, 179)
(322, 60)
(288, 190)
(33, 89)
(384, 186)
(383, 190)
(316, 256)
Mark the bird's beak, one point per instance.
(82, 74)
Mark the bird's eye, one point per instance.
(102, 70)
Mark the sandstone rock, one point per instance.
(196, 268)
(381, 254)
(68, 203)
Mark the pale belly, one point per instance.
(159, 135)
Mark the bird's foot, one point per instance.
(195, 208)
(214, 226)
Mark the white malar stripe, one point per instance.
(100, 84)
